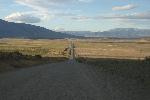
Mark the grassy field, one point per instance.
(90, 52)
(45, 48)
(91, 48)
(128, 49)
(51, 51)
(127, 60)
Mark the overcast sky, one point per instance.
(78, 15)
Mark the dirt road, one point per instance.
(64, 81)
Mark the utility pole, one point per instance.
(71, 51)
(72, 55)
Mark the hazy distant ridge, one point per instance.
(116, 33)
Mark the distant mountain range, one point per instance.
(21, 30)
(114, 33)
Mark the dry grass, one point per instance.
(91, 48)
(51, 51)
(48, 48)
(113, 48)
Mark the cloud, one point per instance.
(86, 1)
(123, 18)
(46, 4)
(81, 18)
(54, 8)
(59, 29)
(132, 16)
(48, 8)
(43, 3)
(22, 18)
(126, 7)
(135, 16)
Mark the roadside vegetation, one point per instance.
(136, 70)
(15, 60)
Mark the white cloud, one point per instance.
(126, 7)
(59, 29)
(86, 1)
(135, 16)
(50, 8)
(132, 16)
(55, 8)
(22, 18)
(142, 17)
(81, 18)
(46, 4)
(132, 20)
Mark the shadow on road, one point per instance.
(15, 60)
(126, 77)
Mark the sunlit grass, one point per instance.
(102, 49)
(34, 47)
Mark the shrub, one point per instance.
(147, 58)
(38, 56)
(16, 56)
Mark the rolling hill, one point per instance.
(22, 30)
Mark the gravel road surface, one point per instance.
(66, 81)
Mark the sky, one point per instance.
(78, 15)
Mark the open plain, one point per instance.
(120, 72)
